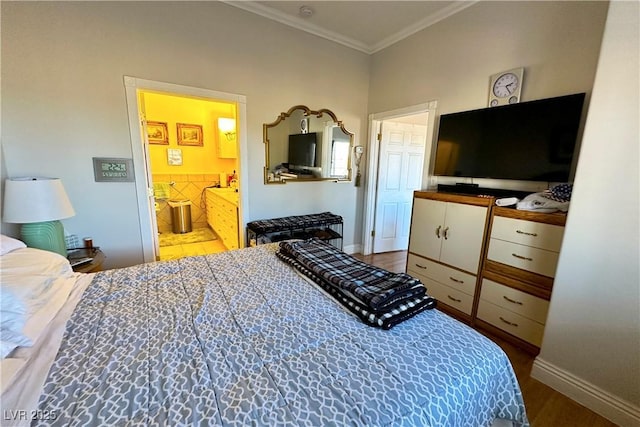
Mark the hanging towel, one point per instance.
(161, 190)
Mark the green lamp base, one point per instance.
(48, 235)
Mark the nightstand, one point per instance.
(93, 266)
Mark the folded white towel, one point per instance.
(507, 201)
(536, 202)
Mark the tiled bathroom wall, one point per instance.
(184, 187)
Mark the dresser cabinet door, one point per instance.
(462, 236)
(426, 227)
(448, 232)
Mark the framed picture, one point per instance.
(189, 134)
(157, 133)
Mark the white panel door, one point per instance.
(399, 174)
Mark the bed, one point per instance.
(238, 338)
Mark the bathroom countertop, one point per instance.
(227, 193)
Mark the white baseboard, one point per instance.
(599, 401)
(353, 249)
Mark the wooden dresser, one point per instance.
(489, 266)
(518, 273)
(446, 245)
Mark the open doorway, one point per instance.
(156, 106)
(188, 155)
(400, 153)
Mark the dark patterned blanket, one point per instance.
(402, 311)
(377, 288)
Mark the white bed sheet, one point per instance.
(23, 374)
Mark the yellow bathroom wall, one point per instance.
(195, 159)
(201, 165)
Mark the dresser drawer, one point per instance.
(524, 257)
(226, 207)
(455, 279)
(519, 302)
(510, 322)
(445, 294)
(529, 233)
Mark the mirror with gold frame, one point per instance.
(306, 145)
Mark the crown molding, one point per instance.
(283, 18)
(427, 21)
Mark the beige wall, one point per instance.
(593, 328)
(556, 42)
(63, 99)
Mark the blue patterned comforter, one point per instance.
(240, 339)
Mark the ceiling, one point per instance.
(367, 26)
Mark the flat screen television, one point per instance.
(529, 141)
(302, 150)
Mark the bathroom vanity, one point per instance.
(222, 215)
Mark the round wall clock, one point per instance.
(505, 87)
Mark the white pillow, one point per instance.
(27, 283)
(31, 261)
(8, 244)
(28, 274)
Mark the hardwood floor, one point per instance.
(545, 406)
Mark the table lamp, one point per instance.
(38, 204)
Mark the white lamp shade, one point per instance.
(32, 199)
(226, 124)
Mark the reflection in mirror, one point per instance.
(307, 145)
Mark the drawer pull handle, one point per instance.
(526, 233)
(438, 231)
(454, 299)
(511, 300)
(421, 266)
(446, 233)
(522, 257)
(508, 323)
(456, 280)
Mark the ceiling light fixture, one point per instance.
(306, 11)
